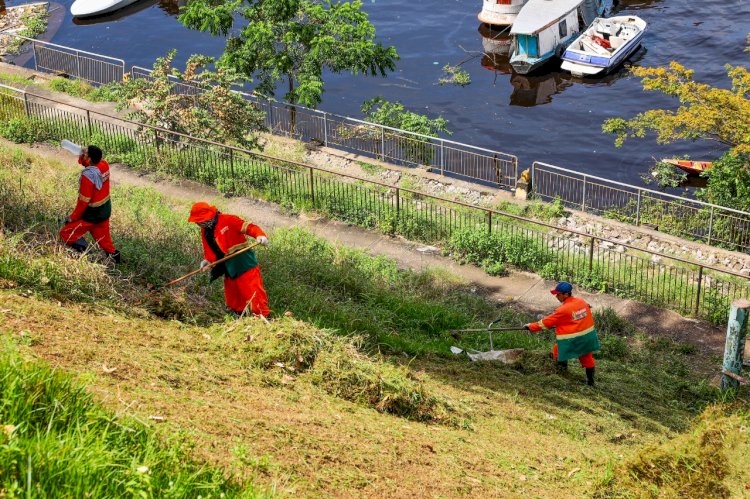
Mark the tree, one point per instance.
(705, 112)
(393, 115)
(212, 111)
(293, 40)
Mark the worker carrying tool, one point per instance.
(223, 235)
(93, 208)
(574, 329)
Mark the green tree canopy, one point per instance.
(705, 112)
(293, 40)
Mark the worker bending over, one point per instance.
(223, 235)
(574, 329)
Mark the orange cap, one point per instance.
(201, 212)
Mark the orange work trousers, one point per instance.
(247, 290)
(99, 231)
(586, 360)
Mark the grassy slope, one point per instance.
(527, 430)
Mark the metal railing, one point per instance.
(93, 68)
(376, 141)
(688, 218)
(556, 253)
(711, 224)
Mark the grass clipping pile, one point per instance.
(695, 464)
(288, 350)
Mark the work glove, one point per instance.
(204, 263)
(263, 240)
(527, 327)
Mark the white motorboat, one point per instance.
(87, 8)
(604, 45)
(500, 12)
(541, 31)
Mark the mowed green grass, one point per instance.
(524, 427)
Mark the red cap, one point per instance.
(201, 212)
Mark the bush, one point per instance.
(25, 130)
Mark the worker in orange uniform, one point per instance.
(574, 329)
(93, 208)
(223, 235)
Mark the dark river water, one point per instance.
(551, 117)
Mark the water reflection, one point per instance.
(171, 7)
(538, 89)
(634, 5)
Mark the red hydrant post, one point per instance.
(735, 345)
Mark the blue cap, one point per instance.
(562, 287)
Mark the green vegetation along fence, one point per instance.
(485, 236)
(709, 223)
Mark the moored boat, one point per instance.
(86, 8)
(541, 31)
(604, 45)
(500, 12)
(689, 166)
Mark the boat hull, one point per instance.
(85, 8)
(688, 166)
(584, 63)
(496, 14)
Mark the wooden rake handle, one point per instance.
(198, 271)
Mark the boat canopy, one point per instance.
(537, 15)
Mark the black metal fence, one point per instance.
(711, 224)
(554, 253)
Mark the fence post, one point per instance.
(325, 129)
(710, 226)
(78, 65)
(33, 51)
(442, 157)
(735, 344)
(638, 209)
(398, 202)
(489, 222)
(26, 104)
(156, 139)
(583, 197)
(312, 186)
(700, 287)
(591, 255)
(88, 123)
(532, 188)
(382, 144)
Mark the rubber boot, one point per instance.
(590, 376)
(80, 245)
(115, 257)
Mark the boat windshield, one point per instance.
(527, 45)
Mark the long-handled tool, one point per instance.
(505, 356)
(198, 271)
